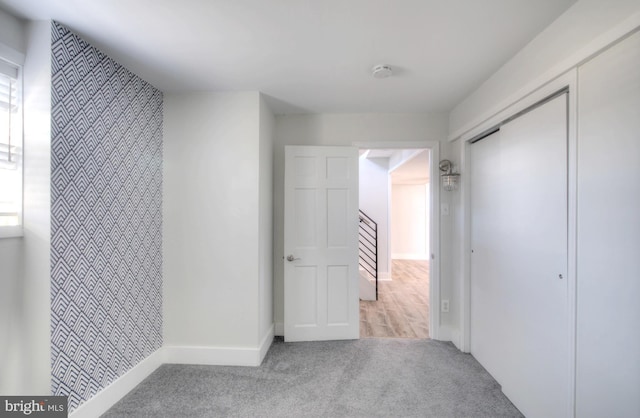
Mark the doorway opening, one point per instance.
(395, 242)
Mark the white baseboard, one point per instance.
(213, 356)
(410, 256)
(280, 329)
(265, 343)
(444, 333)
(448, 333)
(455, 337)
(107, 397)
(382, 276)
(220, 356)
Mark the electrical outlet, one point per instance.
(445, 305)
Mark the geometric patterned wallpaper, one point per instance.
(106, 220)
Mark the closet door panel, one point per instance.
(519, 326)
(608, 286)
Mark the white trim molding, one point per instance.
(452, 334)
(568, 80)
(109, 396)
(220, 356)
(434, 221)
(265, 343)
(12, 55)
(213, 356)
(11, 231)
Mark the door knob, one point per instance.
(290, 257)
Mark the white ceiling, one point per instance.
(312, 56)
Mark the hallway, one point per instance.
(402, 308)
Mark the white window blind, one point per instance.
(10, 146)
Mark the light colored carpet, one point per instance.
(361, 378)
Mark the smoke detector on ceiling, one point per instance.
(382, 71)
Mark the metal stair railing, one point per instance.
(368, 246)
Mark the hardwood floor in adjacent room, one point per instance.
(402, 308)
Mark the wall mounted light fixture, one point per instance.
(449, 178)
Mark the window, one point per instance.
(10, 150)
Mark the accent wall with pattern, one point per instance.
(106, 220)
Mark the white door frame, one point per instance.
(434, 221)
(568, 80)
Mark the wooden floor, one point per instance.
(402, 308)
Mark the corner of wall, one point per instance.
(13, 35)
(265, 214)
(37, 208)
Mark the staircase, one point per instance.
(368, 257)
(367, 286)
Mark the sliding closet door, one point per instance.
(519, 314)
(608, 297)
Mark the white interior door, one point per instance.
(519, 303)
(321, 299)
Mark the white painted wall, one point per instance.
(340, 129)
(12, 325)
(24, 304)
(555, 50)
(12, 37)
(409, 221)
(374, 201)
(216, 185)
